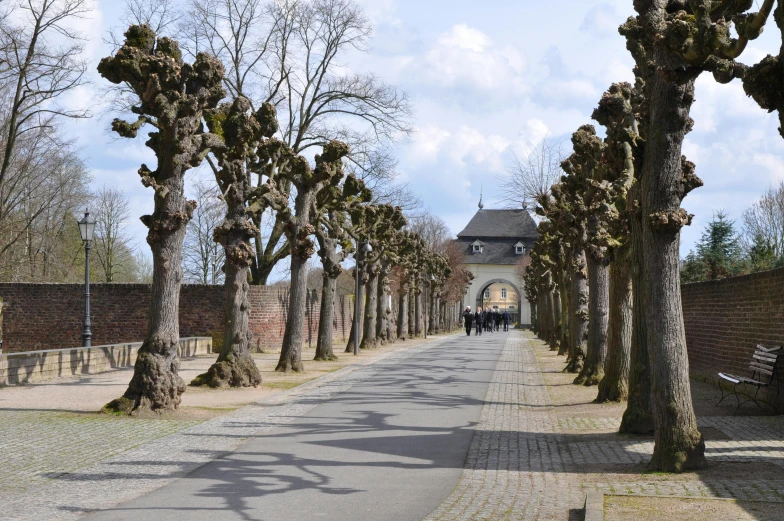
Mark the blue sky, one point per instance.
(485, 78)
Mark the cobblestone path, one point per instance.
(526, 464)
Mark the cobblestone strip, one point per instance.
(514, 468)
(153, 465)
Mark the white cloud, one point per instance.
(464, 64)
(602, 21)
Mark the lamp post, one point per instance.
(360, 255)
(86, 229)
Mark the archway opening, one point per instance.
(500, 295)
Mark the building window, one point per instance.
(477, 248)
(519, 250)
(487, 294)
(503, 293)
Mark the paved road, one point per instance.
(392, 447)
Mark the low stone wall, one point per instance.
(726, 319)
(47, 316)
(34, 366)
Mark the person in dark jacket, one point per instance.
(468, 319)
(479, 319)
(507, 318)
(487, 319)
(497, 320)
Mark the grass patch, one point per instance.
(281, 385)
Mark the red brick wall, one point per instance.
(726, 319)
(49, 316)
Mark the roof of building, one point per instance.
(501, 223)
(498, 251)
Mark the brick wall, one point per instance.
(726, 319)
(49, 316)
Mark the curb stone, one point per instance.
(594, 506)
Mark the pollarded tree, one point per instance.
(679, 40)
(590, 207)
(243, 132)
(380, 224)
(299, 226)
(616, 113)
(172, 97)
(331, 231)
(407, 272)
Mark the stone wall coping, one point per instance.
(23, 354)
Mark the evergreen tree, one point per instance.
(718, 254)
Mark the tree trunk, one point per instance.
(235, 366)
(411, 314)
(359, 310)
(534, 318)
(402, 315)
(431, 312)
(391, 323)
(578, 313)
(598, 311)
(326, 316)
(419, 324)
(563, 349)
(156, 384)
(614, 387)
(291, 350)
(369, 339)
(382, 323)
(556, 300)
(638, 418)
(678, 443)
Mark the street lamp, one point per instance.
(86, 230)
(366, 248)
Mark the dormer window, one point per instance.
(477, 246)
(519, 248)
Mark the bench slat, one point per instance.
(768, 349)
(761, 368)
(765, 358)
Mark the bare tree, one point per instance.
(531, 174)
(288, 53)
(111, 244)
(432, 229)
(39, 62)
(765, 219)
(202, 257)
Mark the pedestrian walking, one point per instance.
(478, 318)
(507, 318)
(468, 319)
(498, 321)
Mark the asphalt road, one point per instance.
(390, 448)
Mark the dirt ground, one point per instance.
(646, 508)
(87, 394)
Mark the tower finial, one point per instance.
(481, 205)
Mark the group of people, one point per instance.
(485, 320)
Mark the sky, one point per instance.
(486, 80)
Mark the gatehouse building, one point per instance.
(495, 241)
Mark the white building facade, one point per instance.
(495, 241)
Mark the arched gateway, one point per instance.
(494, 241)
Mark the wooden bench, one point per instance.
(763, 374)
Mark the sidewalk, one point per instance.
(541, 445)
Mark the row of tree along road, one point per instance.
(604, 274)
(195, 118)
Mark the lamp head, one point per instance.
(367, 248)
(87, 227)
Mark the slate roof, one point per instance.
(495, 251)
(500, 223)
